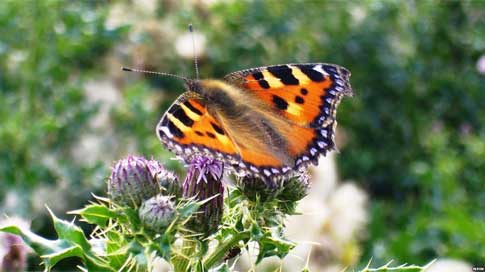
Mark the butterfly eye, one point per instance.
(194, 86)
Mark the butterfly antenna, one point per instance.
(154, 73)
(191, 29)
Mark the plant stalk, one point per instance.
(181, 263)
(223, 247)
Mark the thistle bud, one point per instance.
(169, 183)
(255, 188)
(132, 181)
(157, 213)
(203, 181)
(292, 188)
(295, 188)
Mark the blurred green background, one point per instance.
(413, 136)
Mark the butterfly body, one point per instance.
(266, 121)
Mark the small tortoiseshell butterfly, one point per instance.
(265, 122)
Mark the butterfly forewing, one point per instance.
(189, 130)
(306, 94)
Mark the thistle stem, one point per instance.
(223, 247)
(181, 263)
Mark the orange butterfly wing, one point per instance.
(307, 94)
(188, 130)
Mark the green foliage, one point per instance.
(43, 109)
(71, 242)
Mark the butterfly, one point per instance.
(268, 122)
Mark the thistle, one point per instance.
(292, 188)
(203, 181)
(157, 213)
(169, 183)
(295, 188)
(135, 179)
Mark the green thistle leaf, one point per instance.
(96, 214)
(71, 243)
(69, 232)
(273, 245)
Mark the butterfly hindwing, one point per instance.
(307, 94)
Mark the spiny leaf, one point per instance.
(39, 244)
(188, 208)
(97, 214)
(272, 245)
(69, 232)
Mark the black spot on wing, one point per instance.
(312, 74)
(260, 78)
(303, 91)
(182, 116)
(175, 130)
(199, 133)
(280, 102)
(299, 99)
(284, 73)
(217, 128)
(192, 108)
(210, 134)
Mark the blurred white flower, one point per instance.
(185, 48)
(159, 265)
(358, 14)
(210, 2)
(348, 214)
(147, 6)
(15, 58)
(481, 65)
(106, 95)
(119, 14)
(449, 265)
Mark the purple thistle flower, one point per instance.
(13, 250)
(203, 181)
(16, 257)
(136, 179)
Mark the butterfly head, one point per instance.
(215, 92)
(193, 85)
